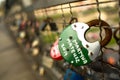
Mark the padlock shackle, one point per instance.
(73, 19)
(108, 31)
(115, 34)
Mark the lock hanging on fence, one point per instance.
(43, 25)
(75, 49)
(72, 75)
(54, 52)
(52, 24)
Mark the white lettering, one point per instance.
(79, 52)
(72, 51)
(85, 61)
(77, 59)
(74, 47)
(75, 55)
(64, 49)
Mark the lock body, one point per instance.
(54, 52)
(53, 26)
(73, 46)
(72, 75)
(43, 26)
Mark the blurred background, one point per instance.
(29, 29)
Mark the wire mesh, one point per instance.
(48, 37)
(101, 60)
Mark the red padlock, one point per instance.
(54, 52)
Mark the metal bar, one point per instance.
(82, 5)
(50, 3)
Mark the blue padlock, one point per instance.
(71, 75)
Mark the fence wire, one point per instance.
(103, 63)
(83, 5)
(97, 3)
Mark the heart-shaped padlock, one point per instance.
(75, 49)
(54, 52)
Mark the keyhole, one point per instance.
(75, 26)
(82, 27)
(91, 53)
(67, 49)
(70, 37)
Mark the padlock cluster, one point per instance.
(73, 46)
(68, 52)
(36, 40)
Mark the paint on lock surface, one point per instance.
(72, 75)
(54, 52)
(73, 46)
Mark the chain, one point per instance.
(119, 19)
(119, 13)
(119, 25)
(71, 10)
(46, 12)
(42, 11)
(49, 36)
(63, 16)
(99, 17)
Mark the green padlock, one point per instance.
(75, 49)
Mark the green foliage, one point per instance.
(112, 41)
(89, 11)
(49, 38)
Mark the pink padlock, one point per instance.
(54, 52)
